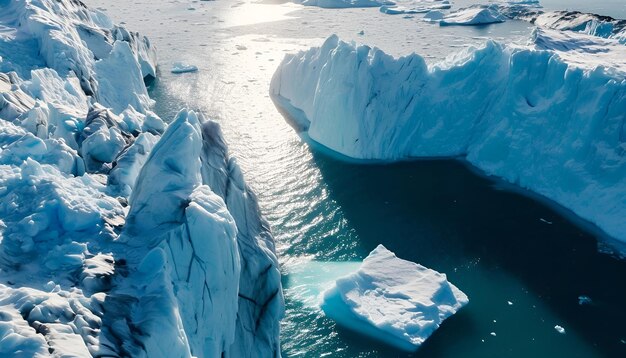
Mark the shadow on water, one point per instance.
(497, 246)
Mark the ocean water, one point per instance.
(522, 263)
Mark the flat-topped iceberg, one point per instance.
(548, 117)
(183, 67)
(392, 300)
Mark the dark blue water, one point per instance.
(492, 244)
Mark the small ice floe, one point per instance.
(392, 300)
(509, 303)
(584, 300)
(545, 221)
(182, 67)
(559, 329)
(493, 334)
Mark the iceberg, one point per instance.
(392, 300)
(591, 24)
(120, 235)
(473, 16)
(181, 67)
(340, 4)
(415, 7)
(548, 117)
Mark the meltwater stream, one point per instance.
(522, 264)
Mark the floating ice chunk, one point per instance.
(559, 329)
(182, 67)
(393, 300)
(584, 300)
(338, 4)
(414, 7)
(434, 16)
(473, 16)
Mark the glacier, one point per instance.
(120, 235)
(549, 116)
(393, 300)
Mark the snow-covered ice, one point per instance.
(548, 117)
(473, 16)
(391, 7)
(591, 24)
(119, 235)
(393, 300)
(415, 7)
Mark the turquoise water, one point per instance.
(496, 245)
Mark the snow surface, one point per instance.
(548, 117)
(473, 16)
(393, 300)
(119, 235)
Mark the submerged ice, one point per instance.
(119, 235)
(548, 117)
(393, 300)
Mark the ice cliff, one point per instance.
(119, 235)
(549, 117)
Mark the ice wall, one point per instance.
(549, 117)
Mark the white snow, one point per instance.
(473, 16)
(548, 116)
(393, 300)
